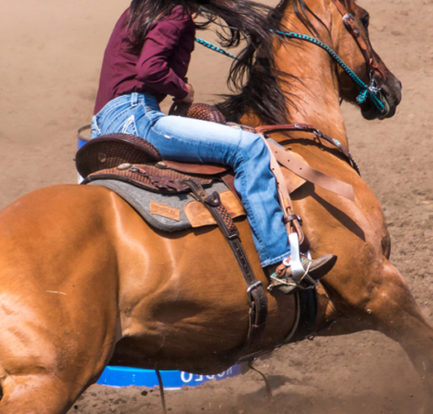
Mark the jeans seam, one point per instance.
(152, 119)
(251, 218)
(274, 260)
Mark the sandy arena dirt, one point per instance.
(50, 57)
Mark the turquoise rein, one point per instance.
(370, 91)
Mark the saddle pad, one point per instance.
(174, 212)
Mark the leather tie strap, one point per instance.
(291, 220)
(255, 291)
(298, 126)
(295, 163)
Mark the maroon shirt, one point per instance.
(159, 68)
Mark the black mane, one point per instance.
(254, 74)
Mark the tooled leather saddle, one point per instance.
(132, 159)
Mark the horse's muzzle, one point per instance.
(390, 95)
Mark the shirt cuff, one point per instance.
(183, 91)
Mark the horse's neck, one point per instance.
(314, 97)
(313, 91)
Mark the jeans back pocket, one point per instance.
(129, 126)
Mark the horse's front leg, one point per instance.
(384, 303)
(394, 312)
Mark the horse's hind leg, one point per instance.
(34, 394)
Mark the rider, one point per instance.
(146, 59)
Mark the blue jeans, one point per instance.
(193, 140)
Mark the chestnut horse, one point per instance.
(85, 282)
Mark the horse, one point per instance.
(86, 282)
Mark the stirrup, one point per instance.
(284, 280)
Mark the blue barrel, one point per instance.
(172, 380)
(116, 376)
(83, 135)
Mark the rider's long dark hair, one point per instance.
(239, 20)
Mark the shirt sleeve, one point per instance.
(153, 64)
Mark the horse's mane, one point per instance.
(254, 74)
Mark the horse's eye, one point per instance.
(365, 20)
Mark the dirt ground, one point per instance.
(50, 56)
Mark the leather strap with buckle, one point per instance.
(255, 291)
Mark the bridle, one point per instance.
(364, 46)
(371, 91)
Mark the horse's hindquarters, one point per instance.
(58, 297)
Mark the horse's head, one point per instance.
(306, 86)
(350, 37)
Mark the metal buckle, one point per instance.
(213, 199)
(347, 17)
(254, 286)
